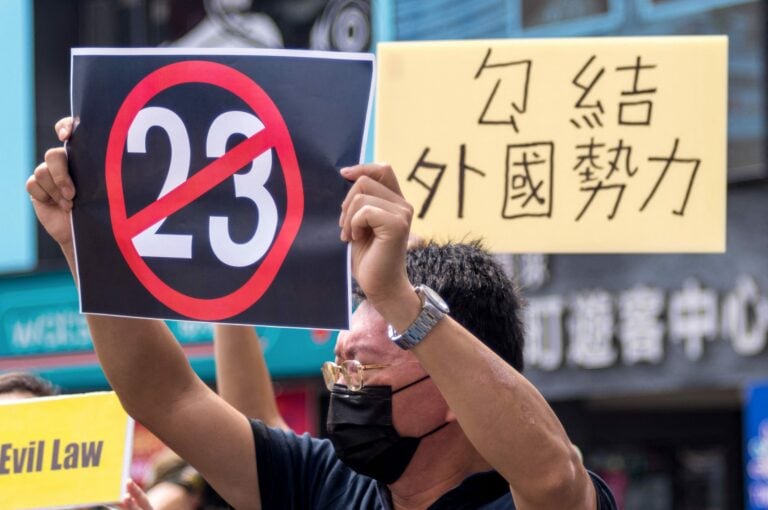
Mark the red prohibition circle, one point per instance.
(275, 134)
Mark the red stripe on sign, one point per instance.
(200, 183)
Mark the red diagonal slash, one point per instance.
(200, 183)
(275, 136)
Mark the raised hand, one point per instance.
(135, 499)
(376, 220)
(52, 191)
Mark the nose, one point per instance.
(341, 341)
(348, 344)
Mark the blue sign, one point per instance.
(756, 444)
(17, 244)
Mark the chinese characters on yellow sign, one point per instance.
(560, 145)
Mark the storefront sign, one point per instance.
(42, 330)
(597, 329)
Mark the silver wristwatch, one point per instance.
(433, 308)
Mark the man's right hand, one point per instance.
(52, 190)
(148, 369)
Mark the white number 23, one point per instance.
(249, 185)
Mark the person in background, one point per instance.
(23, 385)
(173, 485)
(242, 376)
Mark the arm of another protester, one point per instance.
(163, 496)
(135, 498)
(242, 375)
(502, 414)
(147, 367)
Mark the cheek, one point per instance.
(414, 413)
(401, 416)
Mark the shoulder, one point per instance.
(299, 471)
(276, 446)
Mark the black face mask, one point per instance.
(361, 430)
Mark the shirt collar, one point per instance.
(476, 490)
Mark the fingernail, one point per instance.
(341, 219)
(62, 133)
(343, 236)
(68, 191)
(345, 170)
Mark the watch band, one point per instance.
(433, 308)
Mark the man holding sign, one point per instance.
(444, 420)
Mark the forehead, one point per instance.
(367, 340)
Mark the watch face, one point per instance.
(435, 299)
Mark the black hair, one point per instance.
(28, 383)
(482, 298)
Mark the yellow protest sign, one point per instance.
(560, 145)
(63, 451)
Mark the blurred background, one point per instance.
(657, 364)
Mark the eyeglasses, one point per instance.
(351, 369)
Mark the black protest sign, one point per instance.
(208, 183)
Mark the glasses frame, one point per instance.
(331, 372)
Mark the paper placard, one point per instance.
(208, 183)
(64, 451)
(560, 145)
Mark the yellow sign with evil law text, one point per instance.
(65, 451)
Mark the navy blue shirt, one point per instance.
(297, 472)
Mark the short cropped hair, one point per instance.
(482, 298)
(26, 382)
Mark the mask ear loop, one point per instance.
(439, 427)
(417, 381)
